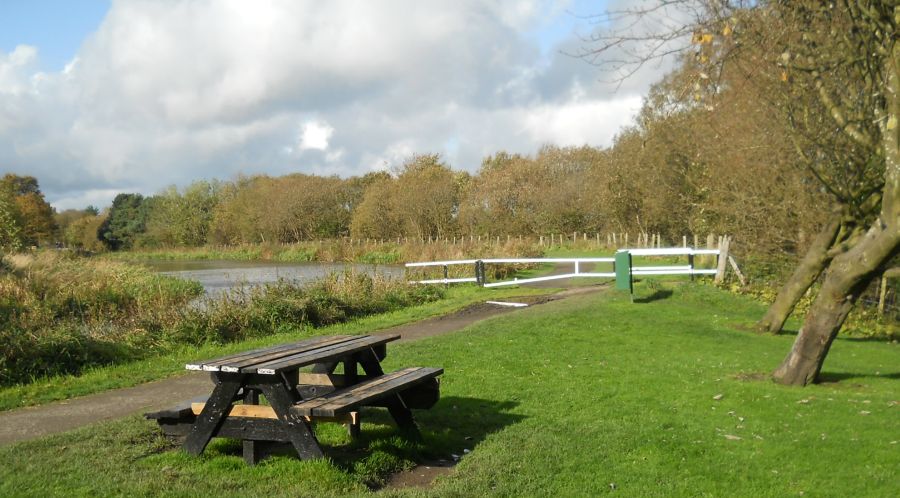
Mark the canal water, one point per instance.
(219, 276)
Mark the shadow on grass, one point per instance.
(876, 338)
(656, 296)
(453, 425)
(834, 377)
(794, 332)
(824, 377)
(452, 428)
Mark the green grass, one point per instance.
(131, 373)
(666, 396)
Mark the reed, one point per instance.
(60, 314)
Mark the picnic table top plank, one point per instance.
(250, 352)
(339, 402)
(321, 342)
(319, 355)
(269, 352)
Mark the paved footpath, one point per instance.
(33, 422)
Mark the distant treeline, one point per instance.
(693, 163)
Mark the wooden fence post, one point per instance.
(737, 271)
(723, 260)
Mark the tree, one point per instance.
(10, 238)
(126, 220)
(848, 54)
(83, 233)
(841, 67)
(34, 214)
(376, 216)
(504, 197)
(65, 219)
(182, 218)
(426, 198)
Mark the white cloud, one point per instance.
(579, 122)
(94, 197)
(315, 135)
(167, 92)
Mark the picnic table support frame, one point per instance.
(350, 377)
(299, 431)
(278, 392)
(213, 414)
(401, 414)
(253, 450)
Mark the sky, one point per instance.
(100, 97)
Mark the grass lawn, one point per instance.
(136, 372)
(591, 395)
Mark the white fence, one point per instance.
(478, 265)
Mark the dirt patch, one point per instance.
(752, 376)
(746, 327)
(421, 476)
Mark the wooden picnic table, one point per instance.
(298, 398)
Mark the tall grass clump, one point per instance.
(244, 313)
(372, 251)
(60, 314)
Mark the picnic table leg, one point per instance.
(210, 419)
(401, 414)
(351, 377)
(253, 450)
(298, 429)
(324, 368)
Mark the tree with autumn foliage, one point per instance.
(10, 234)
(33, 214)
(840, 66)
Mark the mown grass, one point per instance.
(168, 363)
(666, 396)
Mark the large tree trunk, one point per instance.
(809, 269)
(848, 275)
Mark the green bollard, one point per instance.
(623, 272)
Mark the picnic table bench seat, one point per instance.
(367, 392)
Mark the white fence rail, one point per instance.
(478, 265)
